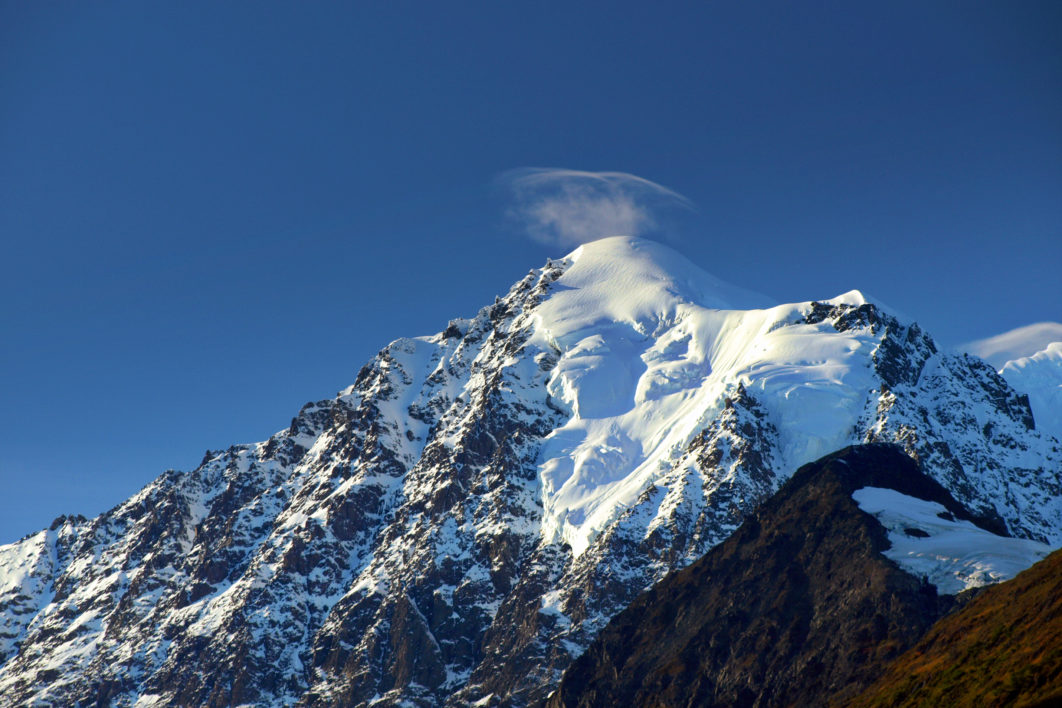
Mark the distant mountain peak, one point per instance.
(1030, 359)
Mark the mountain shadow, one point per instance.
(797, 607)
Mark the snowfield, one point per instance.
(648, 348)
(951, 553)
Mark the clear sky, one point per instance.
(211, 212)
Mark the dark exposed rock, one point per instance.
(798, 604)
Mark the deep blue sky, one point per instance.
(213, 212)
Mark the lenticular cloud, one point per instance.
(570, 207)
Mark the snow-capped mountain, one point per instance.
(1030, 359)
(456, 526)
(1040, 376)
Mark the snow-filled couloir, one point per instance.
(455, 526)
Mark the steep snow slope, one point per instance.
(1040, 376)
(647, 348)
(457, 524)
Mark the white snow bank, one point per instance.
(955, 555)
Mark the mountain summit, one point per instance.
(456, 526)
(1030, 359)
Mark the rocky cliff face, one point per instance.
(459, 523)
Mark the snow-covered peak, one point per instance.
(1030, 359)
(630, 272)
(620, 401)
(645, 348)
(1040, 377)
(1016, 344)
(858, 298)
(854, 298)
(649, 348)
(1051, 353)
(633, 283)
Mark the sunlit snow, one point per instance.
(649, 345)
(1040, 377)
(951, 553)
(1015, 344)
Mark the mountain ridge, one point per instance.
(458, 524)
(800, 606)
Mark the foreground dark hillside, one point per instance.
(1003, 649)
(799, 604)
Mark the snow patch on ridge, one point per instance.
(953, 554)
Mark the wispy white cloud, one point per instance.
(1015, 344)
(568, 207)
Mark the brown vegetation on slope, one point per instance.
(1002, 649)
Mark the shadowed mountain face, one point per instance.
(1004, 648)
(798, 606)
(459, 523)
